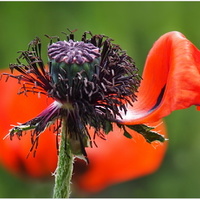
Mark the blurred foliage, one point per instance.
(135, 26)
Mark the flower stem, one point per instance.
(64, 168)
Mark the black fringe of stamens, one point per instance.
(96, 102)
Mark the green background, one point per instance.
(135, 26)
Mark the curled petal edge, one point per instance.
(171, 80)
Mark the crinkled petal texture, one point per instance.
(171, 80)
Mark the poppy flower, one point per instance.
(166, 86)
(135, 157)
(91, 82)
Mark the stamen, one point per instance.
(91, 81)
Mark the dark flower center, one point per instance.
(91, 81)
(70, 59)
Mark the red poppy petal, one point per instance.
(13, 154)
(120, 159)
(171, 80)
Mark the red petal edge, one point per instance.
(171, 80)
